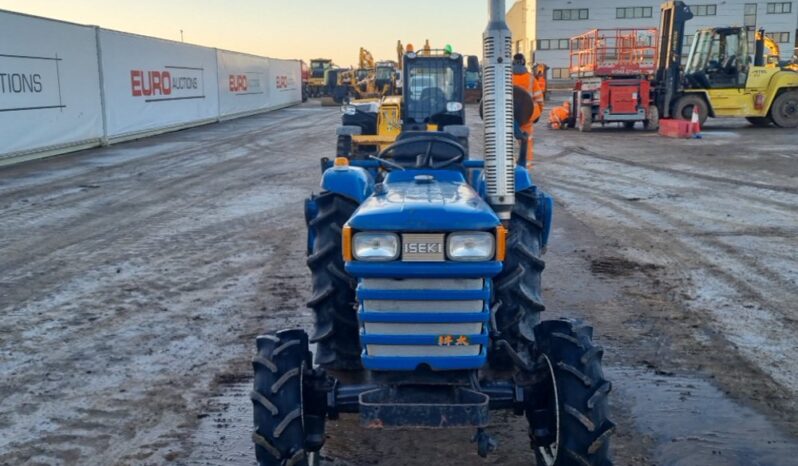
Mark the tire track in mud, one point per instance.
(755, 284)
(719, 179)
(166, 156)
(191, 287)
(133, 210)
(185, 159)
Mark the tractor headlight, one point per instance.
(375, 246)
(470, 246)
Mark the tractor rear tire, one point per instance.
(517, 303)
(277, 399)
(784, 110)
(572, 394)
(683, 108)
(760, 122)
(333, 301)
(584, 121)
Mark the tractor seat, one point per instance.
(407, 155)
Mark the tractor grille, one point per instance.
(406, 323)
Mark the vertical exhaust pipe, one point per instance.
(497, 98)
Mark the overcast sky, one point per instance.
(286, 28)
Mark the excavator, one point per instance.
(370, 80)
(773, 57)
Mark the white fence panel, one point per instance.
(243, 83)
(154, 85)
(285, 83)
(49, 86)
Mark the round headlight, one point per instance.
(375, 246)
(470, 246)
(454, 106)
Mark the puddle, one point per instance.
(694, 423)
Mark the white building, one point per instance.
(541, 28)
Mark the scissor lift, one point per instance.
(613, 69)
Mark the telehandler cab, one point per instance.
(426, 267)
(433, 89)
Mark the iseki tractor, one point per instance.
(426, 271)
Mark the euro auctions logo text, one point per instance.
(284, 82)
(170, 83)
(238, 83)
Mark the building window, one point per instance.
(778, 8)
(634, 12)
(572, 14)
(749, 16)
(704, 10)
(780, 37)
(688, 42)
(560, 73)
(552, 44)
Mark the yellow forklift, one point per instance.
(721, 77)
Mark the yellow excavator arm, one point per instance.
(366, 59)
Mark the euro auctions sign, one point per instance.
(248, 83)
(169, 83)
(154, 84)
(29, 83)
(49, 85)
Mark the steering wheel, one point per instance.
(426, 161)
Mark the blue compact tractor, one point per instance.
(426, 267)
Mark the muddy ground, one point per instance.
(134, 278)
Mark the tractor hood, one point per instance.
(424, 200)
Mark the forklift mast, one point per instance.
(673, 16)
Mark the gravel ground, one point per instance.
(134, 278)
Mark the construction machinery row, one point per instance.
(637, 75)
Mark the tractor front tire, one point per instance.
(333, 301)
(567, 410)
(517, 303)
(277, 400)
(784, 111)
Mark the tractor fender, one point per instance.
(544, 214)
(523, 180)
(353, 182)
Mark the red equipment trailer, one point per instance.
(613, 69)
